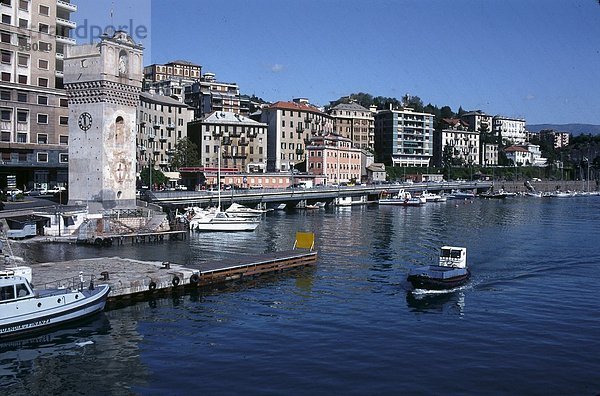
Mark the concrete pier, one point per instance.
(130, 278)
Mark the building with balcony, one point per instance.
(34, 134)
(354, 122)
(175, 70)
(463, 144)
(161, 122)
(334, 157)
(489, 154)
(209, 95)
(404, 137)
(512, 130)
(291, 125)
(478, 121)
(557, 139)
(241, 141)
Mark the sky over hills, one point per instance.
(520, 58)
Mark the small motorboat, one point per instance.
(403, 198)
(24, 310)
(450, 272)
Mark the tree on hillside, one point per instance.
(186, 154)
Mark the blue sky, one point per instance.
(537, 59)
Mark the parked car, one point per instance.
(56, 190)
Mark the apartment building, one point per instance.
(478, 121)
(354, 122)
(557, 139)
(34, 37)
(404, 137)
(175, 70)
(512, 130)
(489, 154)
(464, 144)
(241, 141)
(161, 122)
(209, 95)
(291, 125)
(334, 157)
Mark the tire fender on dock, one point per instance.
(152, 286)
(175, 281)
(194, 279)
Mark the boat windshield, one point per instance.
(7, 293)
(449, 253)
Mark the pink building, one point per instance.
(333, 157)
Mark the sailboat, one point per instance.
(217, 220)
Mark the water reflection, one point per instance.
(450, 302)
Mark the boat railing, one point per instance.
(58, 286)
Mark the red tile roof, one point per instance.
(516, 148)
(295, 106)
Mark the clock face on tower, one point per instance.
(85, 121)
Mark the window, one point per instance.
(42, 157)
(22, 79)
(22, 115)
(44, 10)
(22, 97)
(43, 64)
(64, 103)
(24, 5)
(42, 118)
(5, 95)
(6, 19)
(5, 76)
(63, 120)
(43, 28)
(22, 41)
(23, 23)
(64, 140)
(6, 57)
(21, 137)
(5, 37)
(23, 60)
(42, 138)
(43, 46)
(42, 100)
(42, 82)
(6, 114)
(63, 158)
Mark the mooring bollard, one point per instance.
(104, 275)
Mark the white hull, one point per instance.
(221, 221)
(225, 226)
(48, 310)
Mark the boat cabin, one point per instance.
(451, 256)
(14, 288)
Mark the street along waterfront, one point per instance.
(526, 322)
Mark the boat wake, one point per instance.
(430, 292)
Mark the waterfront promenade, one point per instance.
(292, 196)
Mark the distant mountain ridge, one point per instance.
(575, 129)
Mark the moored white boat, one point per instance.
(24, 310)
(244, 211)
(403, 198)
(458, 194)
(223, 221)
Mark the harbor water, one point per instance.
(526, 323)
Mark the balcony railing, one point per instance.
(171, 126)
(66, 22)
(66, 5)
(65, 40)
(6, 125)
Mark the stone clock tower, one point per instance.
(103, 82)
